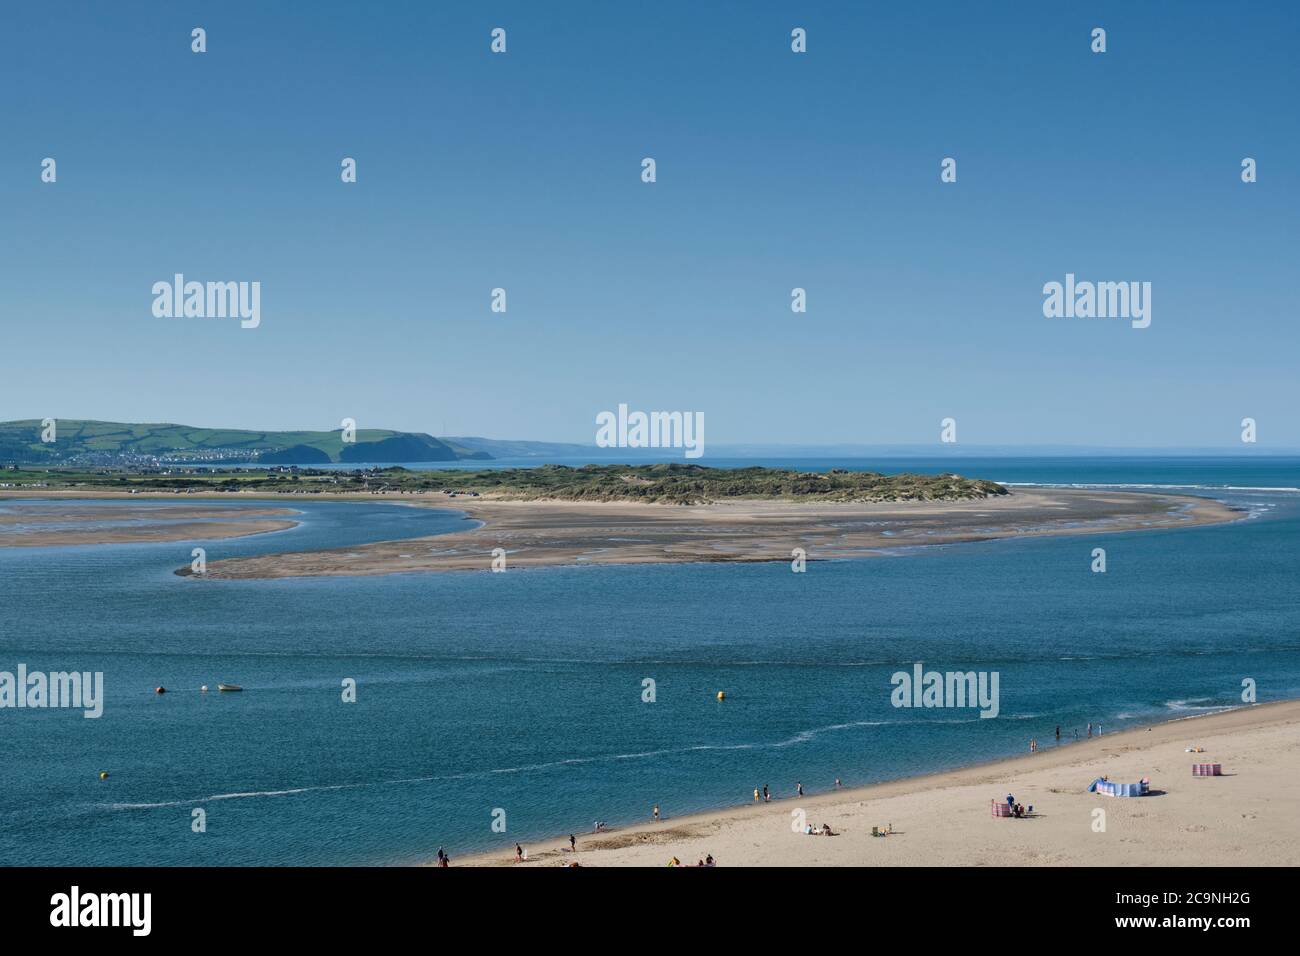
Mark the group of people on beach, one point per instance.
(599, 827)
(823, 830)
(766, 795)
(1033, 741)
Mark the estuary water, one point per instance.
(523, 692)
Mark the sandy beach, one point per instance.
(1250, 816)
(551, 533)
(52, 525)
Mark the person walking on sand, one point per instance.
(756, 794)
(1058, 733)
(573, 843)
(1090, 728)
(767, 798)
(519, 853)
(798, 789)
(655, 813)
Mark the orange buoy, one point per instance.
(160, 690)
(722, 695)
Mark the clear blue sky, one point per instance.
(775, 170)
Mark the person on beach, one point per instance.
(767, 797)
(1099, 730)
(756, 794)
(1058, 734)
(444, 861)
(1090, 728)
(837, 783)
(798, 789)
(519, 853)
(573, 843)
(708, 860)
(655, 813)
(1011, 801)
(441, 854)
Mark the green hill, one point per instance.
(116, 443)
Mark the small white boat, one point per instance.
(229, 687)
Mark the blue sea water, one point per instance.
(522, 691)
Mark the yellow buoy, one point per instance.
(103, 775)
(722, 695)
